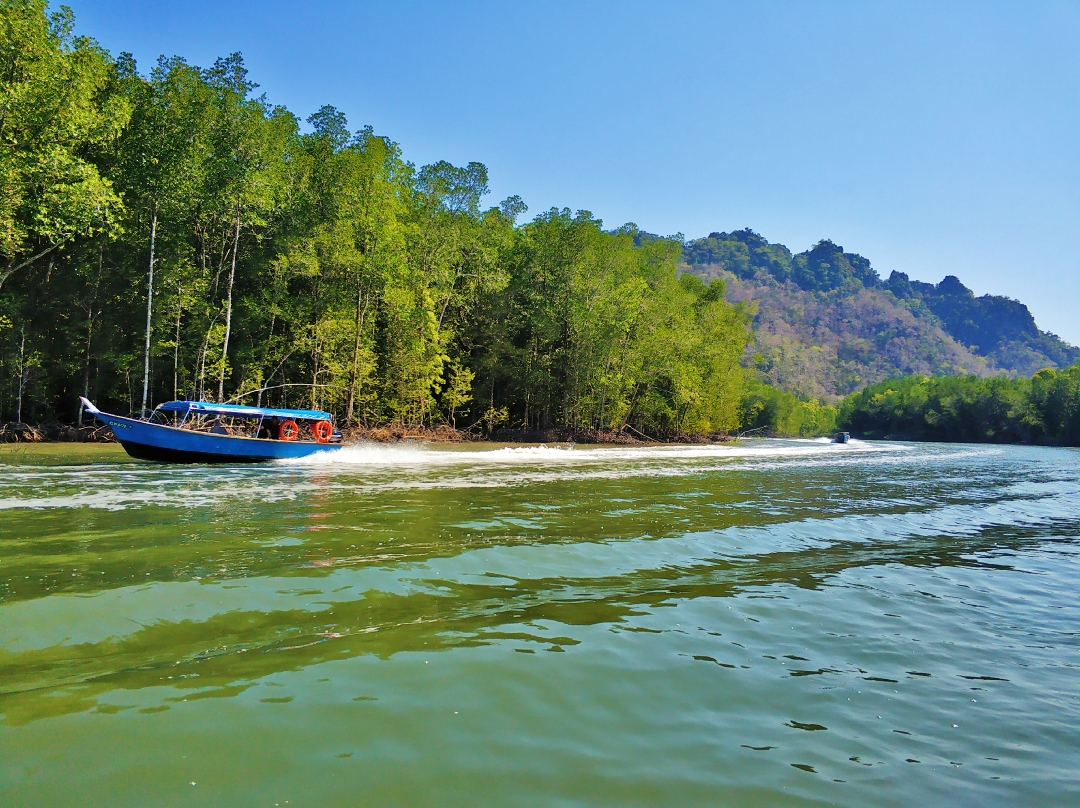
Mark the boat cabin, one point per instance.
(240, 421)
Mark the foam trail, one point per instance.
(373, 454)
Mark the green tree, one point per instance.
(163, 160)
(246, 177)
(258, 260)
(60, 107)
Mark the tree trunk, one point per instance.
(91, 316)
(22, 376)
(314, 369)
(360, 314)
(202, 368)
(228, 311)
(149, 310)
(86, 368)
(266, 352)
(176, 344)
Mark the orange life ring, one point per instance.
(288, 430)
(322, 431)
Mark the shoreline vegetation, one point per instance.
(172, 233)
(1044, 410)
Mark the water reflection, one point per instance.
(212, 656)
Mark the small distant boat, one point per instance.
(204, 432)
(841, 437)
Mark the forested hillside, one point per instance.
(826, 325)
(171, 233)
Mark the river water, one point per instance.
(772, 623)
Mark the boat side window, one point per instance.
(269, 428)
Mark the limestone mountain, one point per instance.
(827, 325)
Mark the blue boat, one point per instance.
(204, 432)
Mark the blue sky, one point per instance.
(934, 139)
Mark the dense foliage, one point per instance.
(1043, 409)
(826, 324)
(174, 234)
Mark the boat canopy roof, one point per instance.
(241, 411)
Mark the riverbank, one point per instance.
(55, 432)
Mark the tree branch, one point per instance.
(7, 273)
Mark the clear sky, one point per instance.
(933, 138)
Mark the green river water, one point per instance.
(770, 623)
